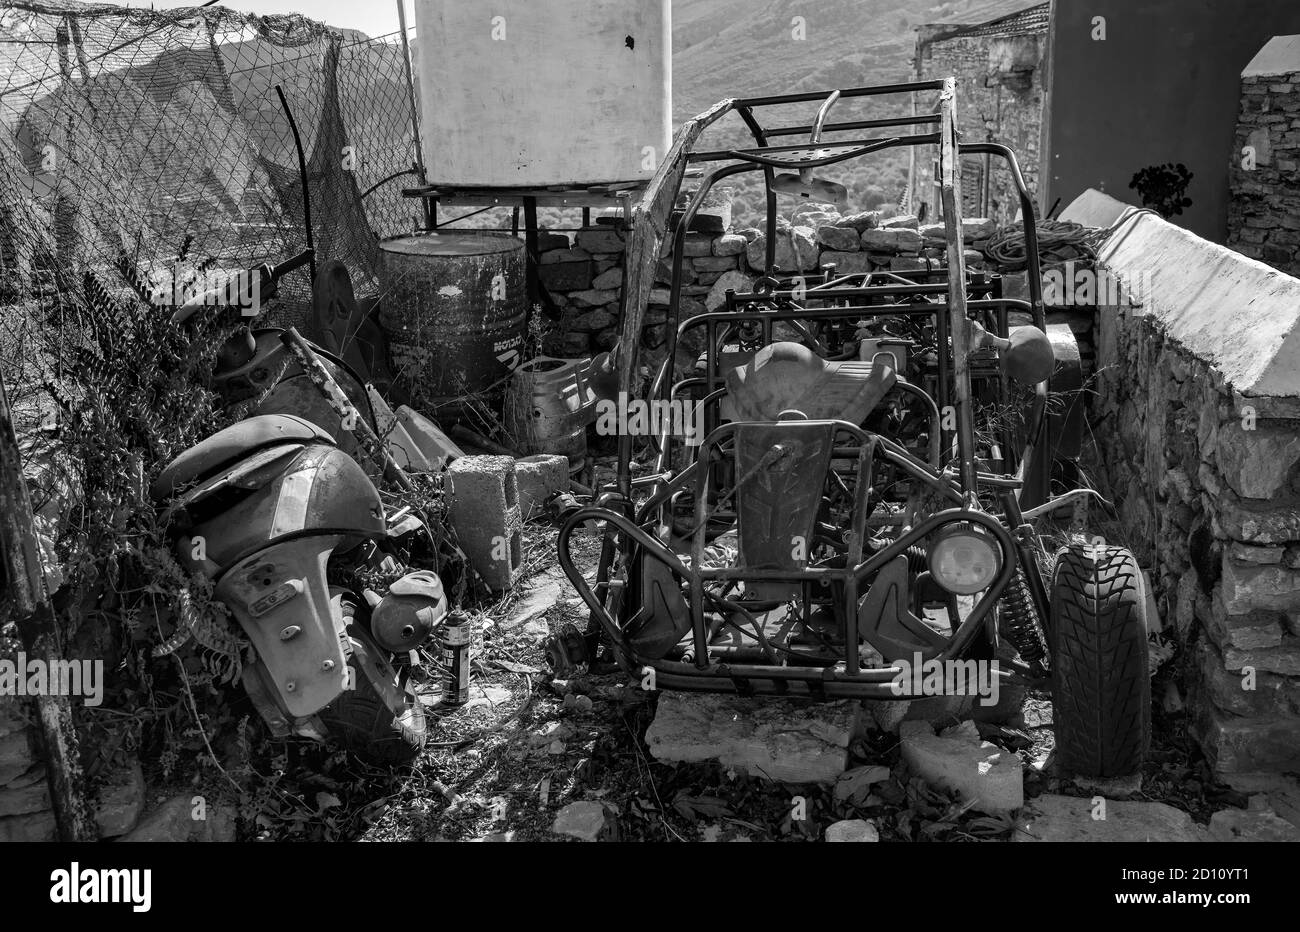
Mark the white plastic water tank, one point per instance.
(543, 92)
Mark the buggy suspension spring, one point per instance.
(1021, 624)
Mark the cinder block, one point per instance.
(539, 477)
(483, 501)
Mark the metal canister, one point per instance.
(453, 644)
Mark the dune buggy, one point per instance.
(876, 472)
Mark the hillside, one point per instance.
(732, 48)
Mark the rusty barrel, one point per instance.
(453, 309)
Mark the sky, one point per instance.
(373, 17)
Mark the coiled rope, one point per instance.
(1059, 241)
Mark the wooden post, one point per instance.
(35, 618)
(959, 329)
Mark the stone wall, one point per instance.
(1264, 170)
(1205, 470)
(25, 813)
(1205, 480)
(999, 99)
(584, 275)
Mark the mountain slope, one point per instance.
(734, 48)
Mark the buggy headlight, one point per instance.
(964, 559)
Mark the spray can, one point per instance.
(453, 642)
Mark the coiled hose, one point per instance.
(1058, 241)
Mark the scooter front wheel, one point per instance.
(362, 720)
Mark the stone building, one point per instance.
(1264, 167)
(996, 52)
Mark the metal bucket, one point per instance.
(453, 309)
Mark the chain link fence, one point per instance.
(134, 139)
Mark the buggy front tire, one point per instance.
(1101, 687)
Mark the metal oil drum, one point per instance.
(452, 306)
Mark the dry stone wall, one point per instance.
(25, 813)
(1207, 482)
(584, 274)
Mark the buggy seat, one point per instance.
(789, 376)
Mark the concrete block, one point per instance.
(1069, 818)
(958, 760)
(483, 497)
(780, 739)
(538, 478)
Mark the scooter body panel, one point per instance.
(321, 490)
(282, 600)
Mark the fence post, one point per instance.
(35, 618)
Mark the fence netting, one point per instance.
(130, 137)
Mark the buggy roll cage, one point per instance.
(659, 228)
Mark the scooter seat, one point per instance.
(789, 376)
(226, 447)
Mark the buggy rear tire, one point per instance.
(1101, 688)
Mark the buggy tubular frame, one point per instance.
(949, 299)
